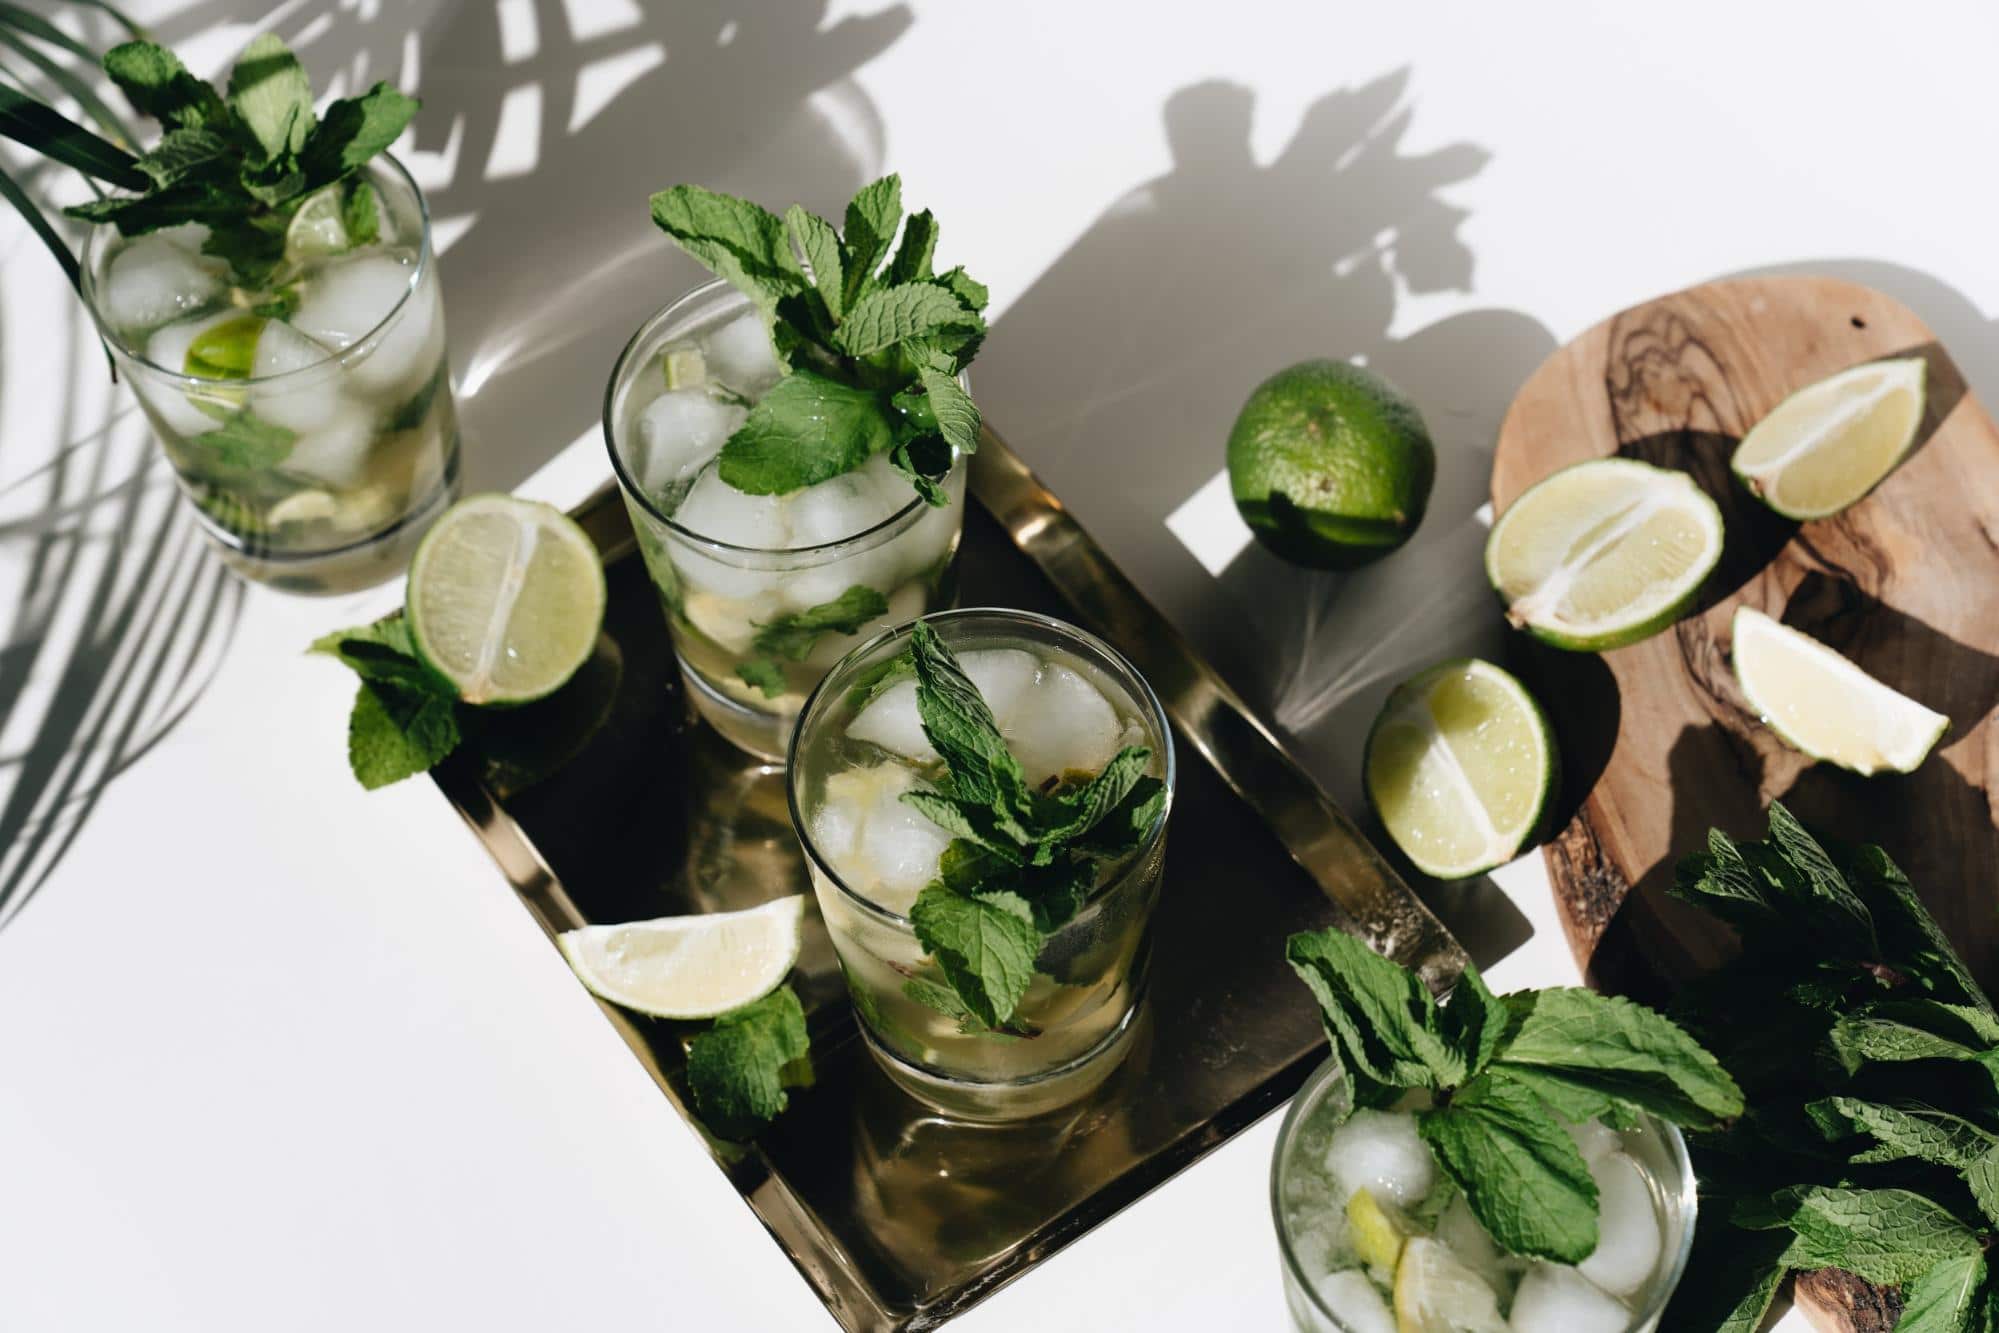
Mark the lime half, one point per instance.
(1824, 705)
(1831, 443)
(505, 598)
(697, 966)
(1460, 766)
(1603, 553)
(1435, 1293)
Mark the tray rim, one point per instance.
(1219, 726)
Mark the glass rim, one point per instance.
(1684, 1189)
(1150, 701)
(424, 260)
(622, 368)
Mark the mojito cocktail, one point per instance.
(1053, 849)
(310, 418)
(1375, 1236)
(763, 593)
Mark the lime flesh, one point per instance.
(1824, 705)
(506, 598)
(697, 966)
(1830, 443)
(1460, 767)
(1435, 1293)
(1603, 553)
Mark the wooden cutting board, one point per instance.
(1659, 739)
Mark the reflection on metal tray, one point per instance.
(606, 803)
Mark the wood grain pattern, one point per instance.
(1906, 583)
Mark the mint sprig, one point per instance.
(1872, 1058)
(739, 1068)
(872, 352)
(1503, 1074)
(1021, 862)
(405, 717)
(242, 163)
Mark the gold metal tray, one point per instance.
(608, 803)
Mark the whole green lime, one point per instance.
(1330, 465)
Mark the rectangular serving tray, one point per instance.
(609, 803)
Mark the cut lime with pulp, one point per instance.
(1825, 706)
(699, 966)
(1829, 444)
(1603, 553)
(506, 598)
(317, 229)
(1460, 766)
(1435, 1293)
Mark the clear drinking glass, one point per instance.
(1308, 1207)
(680, 388)
(1078, 1017)
(323, 438)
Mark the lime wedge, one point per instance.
(1603, 553)
(225, 351)
(317, 230)
(1831, 443)
(1434, 1293)
(1460, 766)
(696, 966)
(1824, 705)
(505, 598)
(1378, 1231)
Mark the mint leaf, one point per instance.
(1476, 1020)
(889, 315)
(362, 222)
(794, 635)
(245, 442)
(1622, 1050)
(1520, 1172)
(1072, 814)
(1944, 1299)
(806, 429)
(737, 1071)
(820, 244)
(919, 245)
(1122, 831)
(957, 416)
(354, 131)
(1821, 880)
(384, 653)
(1870, 1038)
(1886, 1236)
(1724, 883)
(970, 293)
(761, 673)
(158, 85)
(1909, 934)
(976, 823)
(870, 225)
(1900, 1132)
(186, 154)
(395, 733)
(735, 238)
(1380, 1016)
(271, 97)
(961, 726)
(985, 945)
(1982, 1179)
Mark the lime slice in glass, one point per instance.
(1460, 766)
(1831, 443)
(1824, 705)
(697, 966)
(317, 230)
(506, 598)
(1604, 553)
(1435, 1293)
(226, 350)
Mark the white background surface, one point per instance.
(275, 1053)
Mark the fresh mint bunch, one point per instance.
(1021, 861)
(872, 349)
(1504, 1073)
(240, 161)
(738, 1069)
(1871, 1058)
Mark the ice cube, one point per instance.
(720, 512)
(1461, 1232)
(335, 448)
(1554, 1298)
(739, 355)
(922, 548)
(1380, 1151)
(1628, 1242)
(1003, 677)
(891, 849)
(303, 401)
(344, 301)
(678, 432)
(186, 413)
(156, 279)
(831, 511)
(1594, 1139)
(1063, 723)
(1355, 1302)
